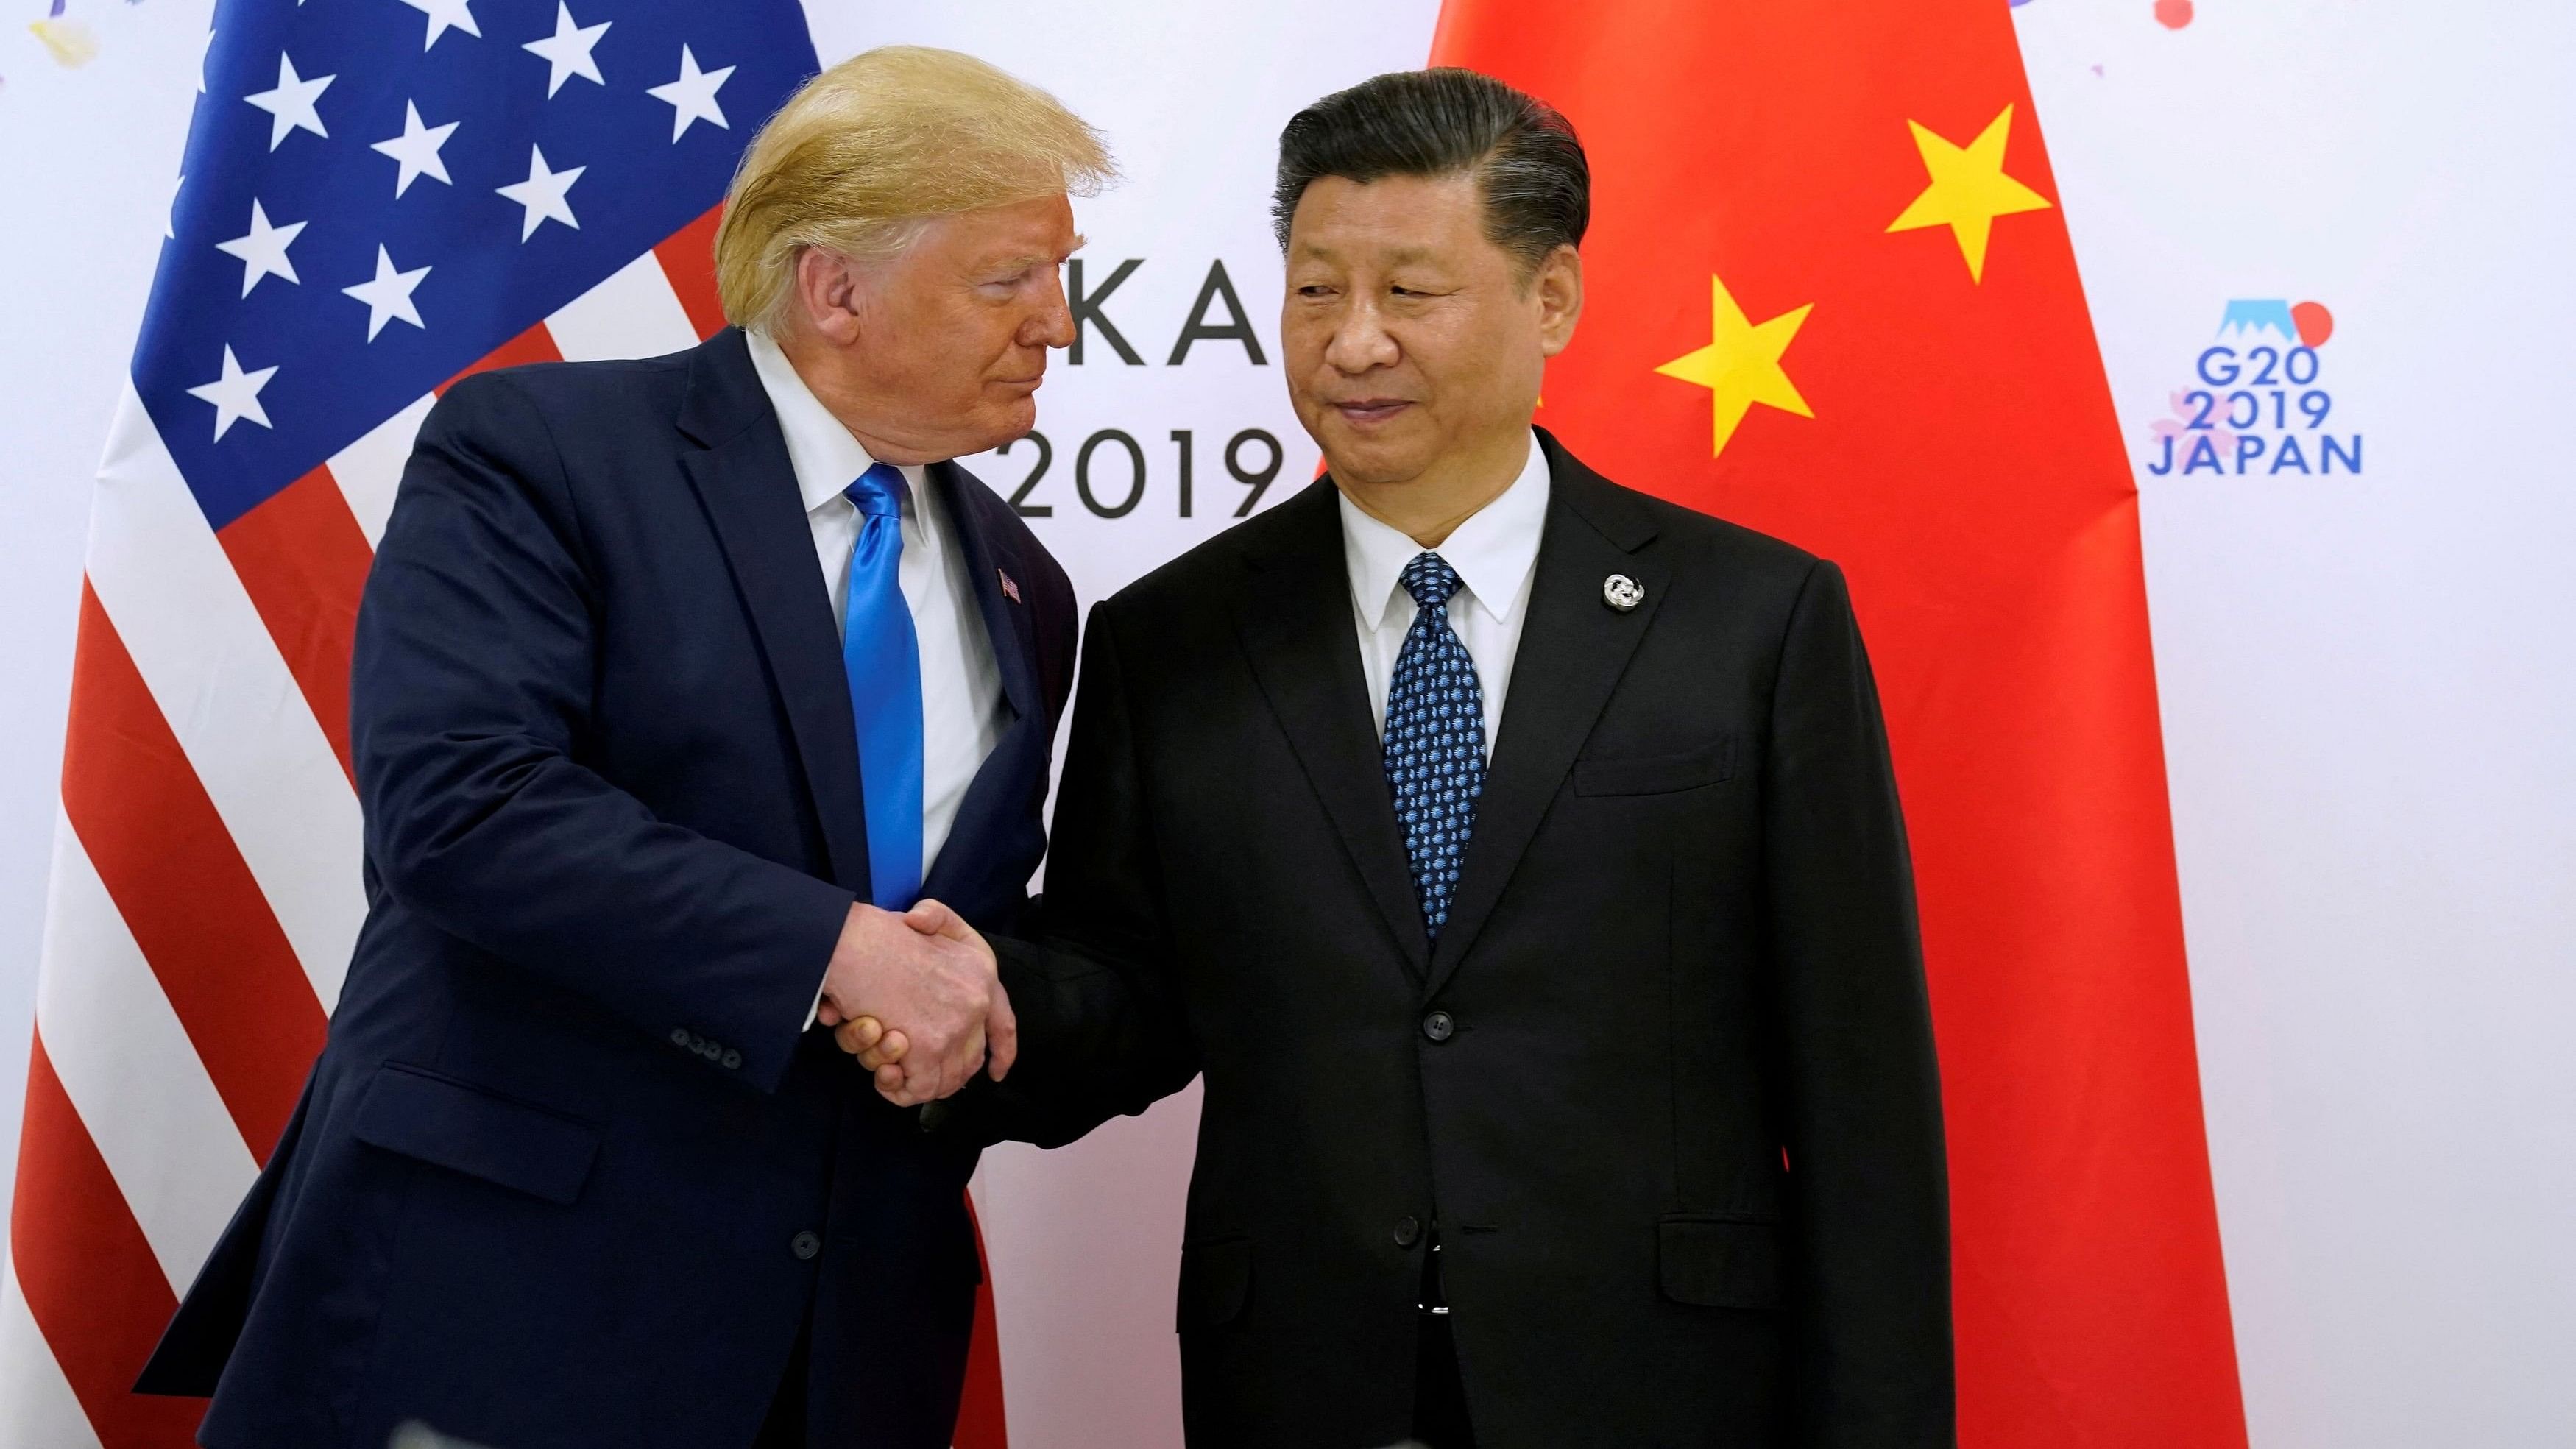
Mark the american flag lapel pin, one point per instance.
(1010, 590)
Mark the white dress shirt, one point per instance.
(961, 684)
(1495, 554)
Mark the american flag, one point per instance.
(378, 197)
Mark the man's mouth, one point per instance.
(1370, 411)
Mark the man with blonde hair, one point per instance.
(677, 682)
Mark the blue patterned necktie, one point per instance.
(883, 658)
(1435, 739)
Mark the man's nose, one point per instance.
(1052, 324)
(1361, 342)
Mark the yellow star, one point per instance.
(1969, 190)
(1740, 366)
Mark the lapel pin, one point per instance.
(1010, 591)
(1622, 592)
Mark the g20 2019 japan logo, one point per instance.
(2260, 405)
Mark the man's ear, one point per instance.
(1559, 284)
(827, 294)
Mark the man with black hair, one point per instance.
(1517, 859)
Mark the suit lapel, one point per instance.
(748, 487)
(988, 562)
(1573, 648)
(1294, 616)
(1020, 754)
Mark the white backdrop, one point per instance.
(2369, 682)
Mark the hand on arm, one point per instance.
(917, 999)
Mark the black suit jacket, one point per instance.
(570, 1171)
(1664, 1089)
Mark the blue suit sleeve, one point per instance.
(470, 700)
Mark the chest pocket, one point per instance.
(1710, 764)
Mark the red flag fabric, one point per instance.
(980, 1420)
(1831, 297)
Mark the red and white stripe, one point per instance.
(206, 891)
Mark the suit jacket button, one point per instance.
(1408, 1231)
(933, 1115)
(679, 1036)
(1439, 1026)
(731, 1060)
(805, 1245)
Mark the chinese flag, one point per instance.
(1831, 297)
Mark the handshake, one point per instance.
(916, 997)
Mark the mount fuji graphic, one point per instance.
(2271, 314)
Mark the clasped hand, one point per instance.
(916, 997)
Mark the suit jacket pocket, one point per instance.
(1657, 774)
(466, 1129)
(1216, 1281)
(1720, 1261)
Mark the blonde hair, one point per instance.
(869, 152)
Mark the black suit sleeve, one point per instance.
(1102, 1030)
(1861, 1102)
(470, 701)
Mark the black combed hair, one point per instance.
(1526, 159)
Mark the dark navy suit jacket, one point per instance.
(570, 1171)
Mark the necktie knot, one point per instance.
(1430, 580)
(879, 492)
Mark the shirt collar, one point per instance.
(826, 458)
(1494, 551)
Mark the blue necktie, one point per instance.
(883, 658)
(1435, 740)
